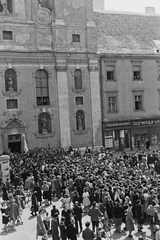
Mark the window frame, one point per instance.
(137, 63)
(76, 101)
(75, 35)
(12, 109)
(138, 93)
(109, 63)
(112, 94)
(158, 70)
(36, 87)
(78, 89)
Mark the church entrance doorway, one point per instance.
(14, 143)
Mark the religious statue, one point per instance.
(45, 4)
(4, 5)
(80, 121)
(10, 83)
(44, 124)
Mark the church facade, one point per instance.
(50, 91)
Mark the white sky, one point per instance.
(132, 5)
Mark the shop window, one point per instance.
(112, 104)
(44, 123)
(10, 80)
(12, 103)
(78, 79)
(42, 89)
(154, 139)
(79, 101)
(6, 6)
(80, 120)
(110, 72)
(138, 102)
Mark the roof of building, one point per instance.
(127, 33)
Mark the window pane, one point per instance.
(79, 100)
(78, 79)
(110, 72)
(42, 91)
(75, 38)
(12, 104)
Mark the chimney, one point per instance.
(98, 4)
(150, 10)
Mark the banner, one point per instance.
(4, 168)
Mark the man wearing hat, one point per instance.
(77, 213)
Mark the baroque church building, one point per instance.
(74, 76)
(50, 92)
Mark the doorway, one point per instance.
(14, 143)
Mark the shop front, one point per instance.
(131, 134)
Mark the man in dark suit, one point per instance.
(54, 228)
(88, 234)
(77, 213)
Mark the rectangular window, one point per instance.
(79, 100)
(110, 72)
(138, 102)
(7, 35)
(75, 38)
(12, 103)
(137, 72)
(112, 104)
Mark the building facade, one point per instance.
(130, 69)
(49, 75)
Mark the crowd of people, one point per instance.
(111, 189)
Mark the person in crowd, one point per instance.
(54, 228)
(34, 203)
(14, 214)
(94, 213)
(63, 229)
(86, 200)
(38, 192)
(45, 189)
(129, 220)
(41, 230)
(139, 215)
(4, 193)
(71, 230)
(66, 201)
(53, 211)
(5, 215)
(66, 213)
(87, 233)
(118, 213)
(77, 213)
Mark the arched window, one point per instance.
(42, 90)
(78, 79)
(80, 120)
(6, 6)
(10, 80)
(44, 123)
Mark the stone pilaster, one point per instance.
(64, 120)
(95, 102)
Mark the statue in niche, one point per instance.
(10, 83)
(80, 120)
(45, 4)
(44, 124)
(4, 5)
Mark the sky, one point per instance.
(132, 5)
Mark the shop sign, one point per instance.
(117, 124)
(146, 122)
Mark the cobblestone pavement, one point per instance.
(27, 231)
